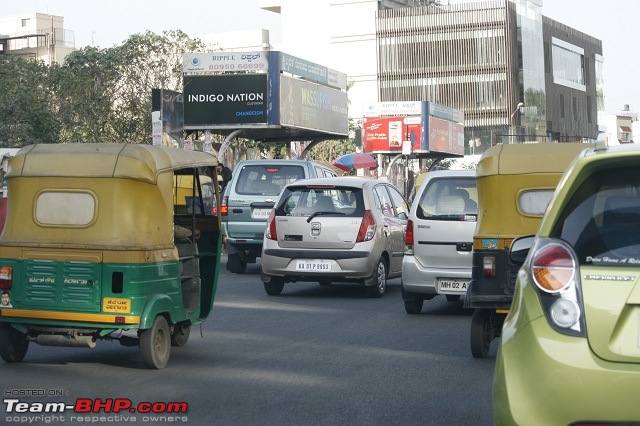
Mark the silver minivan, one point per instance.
(439, 238)
(249, 198)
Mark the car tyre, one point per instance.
(453, 297)
(235, 264)
(181, 333)
(380, 286)
(413, 306)
(481, 333)
(155, 344)
(274, 287)
(13, 344)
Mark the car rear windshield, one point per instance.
(451, 199)
(258, 179)
(602, 219)
(305, 201)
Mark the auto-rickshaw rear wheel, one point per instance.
(481, 332)
(155, 343)
(180, 334)
(13, 344)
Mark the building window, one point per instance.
(561, 105)
(568, 65)
(24, 23)
(574, 104)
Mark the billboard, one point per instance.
(429, 127)
(224, 62)
(386, 134)
(225, 100)
(307, 105)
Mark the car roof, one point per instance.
(353, 181)
(268, 161)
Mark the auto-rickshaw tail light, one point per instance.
(408, 239)
(553, 268)
(6, 277)
(271, 226)
(489, 266)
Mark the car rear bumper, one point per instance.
(351, 264)
(418, 279)
(543, 377)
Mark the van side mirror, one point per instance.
(520, 249)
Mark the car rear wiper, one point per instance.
(314, 214)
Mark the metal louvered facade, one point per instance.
(482, 58)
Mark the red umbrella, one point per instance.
(355, 160)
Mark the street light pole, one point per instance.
(511, 122)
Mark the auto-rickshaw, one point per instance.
(103, 241)
(515, 184)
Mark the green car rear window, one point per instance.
(266, 179)
(602, 219)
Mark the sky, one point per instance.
(104, 23)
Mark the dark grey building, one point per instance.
(510, 70)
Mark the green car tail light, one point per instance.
(554, 272)
(553, 267)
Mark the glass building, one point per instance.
(517, 75)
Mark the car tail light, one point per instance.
(553, 268)
(224, 208)
(489, 266)
(554, 273)
(408, 239)
(271, 226)
(367, 227)
(6, 277)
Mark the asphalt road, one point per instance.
(315, 355)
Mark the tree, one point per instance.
(25, 96)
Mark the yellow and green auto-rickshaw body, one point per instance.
(503, 174)
(89, 238)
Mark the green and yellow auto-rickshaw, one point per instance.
(515, 184)
(104, 241)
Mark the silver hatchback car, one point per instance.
(342, 229)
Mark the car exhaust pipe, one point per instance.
(65, 340)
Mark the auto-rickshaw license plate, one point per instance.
(453, 285)
(119, 305)
(313, 265)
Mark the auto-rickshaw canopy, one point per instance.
(504, 172)
(95, 196)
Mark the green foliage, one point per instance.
(96, 95)
(25, 96)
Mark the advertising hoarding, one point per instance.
(226, 100)
(307, 105)
(224, 62)
(426, 127)
(386, 134)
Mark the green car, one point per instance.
(570, 347)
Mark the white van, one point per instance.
(439, 238)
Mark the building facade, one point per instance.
(515, 74)
(36, 36)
